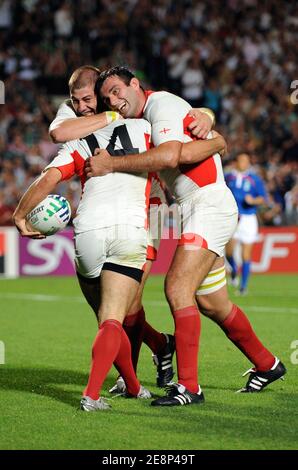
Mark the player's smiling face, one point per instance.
(84, 101)
(126, 99)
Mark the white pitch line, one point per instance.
(252, 308)
(153, 303)
(275, 294)
(41, 297)
(255, 308)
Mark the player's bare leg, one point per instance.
(230, 248)
(217, 304)
(111, 344)
(139, 330)
(137, 301)
(90, 290)
(117, 292)
(134, 325)
(246, 249)
(219, 308)
(188, 270)
(155, 340)
(189, 267)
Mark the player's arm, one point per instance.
(79, 127)
(254, 201)
(164, 156)
(39, 189)
(198, 150)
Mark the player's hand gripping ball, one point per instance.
(50, 215)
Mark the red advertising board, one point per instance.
(275, 252)
(51, 256)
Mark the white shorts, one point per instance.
(123, 245)
(247, 229)
(209, 220)
(157, 215)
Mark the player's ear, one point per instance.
(134, 82)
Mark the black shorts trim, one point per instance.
(134, 273)
(88, 280)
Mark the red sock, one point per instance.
(123, 364)
(133, 326)
(104, 351)
(238, 329)
(155, 340)
(187, 335)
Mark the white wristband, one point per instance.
(209, 113)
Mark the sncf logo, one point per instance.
(276, 252)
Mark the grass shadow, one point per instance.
(44, 381)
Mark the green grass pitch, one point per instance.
(47, 330)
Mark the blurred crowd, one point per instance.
(236, 57)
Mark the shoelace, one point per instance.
(252, 369)
(171, 388)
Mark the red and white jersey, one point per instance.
(157, 193)
(168, 116)
(65, 111)
(116, 198)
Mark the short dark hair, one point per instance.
(83, 76)
(120, 71)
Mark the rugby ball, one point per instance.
(50, 215)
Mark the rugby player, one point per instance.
(249, 191)
(209, 217)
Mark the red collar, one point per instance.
(147, 94)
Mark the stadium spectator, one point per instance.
(291, 147)
(271, 213)
(192, 82)
(6, 211)
(291, 200)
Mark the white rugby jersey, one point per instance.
(65, 111)
(116, 198)
(168, 116)
(157, 193)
